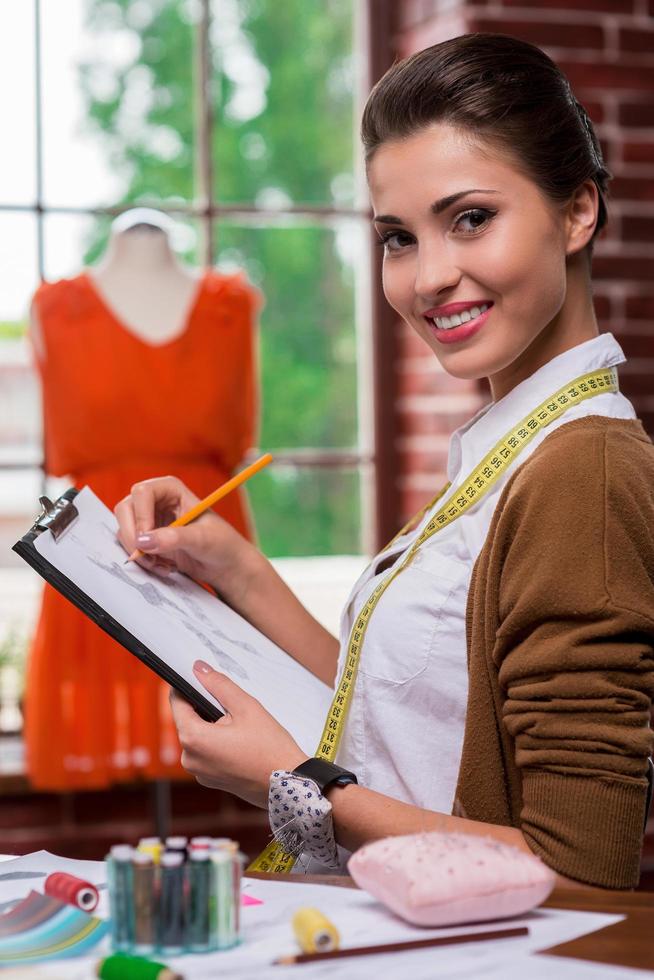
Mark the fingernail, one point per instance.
(201, 667)
(145, 540)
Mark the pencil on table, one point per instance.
(468, 937)
(217, 495)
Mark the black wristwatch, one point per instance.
(325, 774)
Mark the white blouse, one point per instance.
(404, 732)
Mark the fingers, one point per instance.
(126, 529)
(184, 714)
(230, 695)
(170, 545)
(156, 503)
(150, 504)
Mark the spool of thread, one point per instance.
(198, 876)
(222, 922)
(121, 906)
(152, 846)
(171, 911)
(314, 932)
(74, 891)
(123, 967)
(144, 902)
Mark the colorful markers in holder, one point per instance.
(185, 898)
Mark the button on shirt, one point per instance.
(404, 731)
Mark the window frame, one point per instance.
(375, 454)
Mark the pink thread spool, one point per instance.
(74, 891)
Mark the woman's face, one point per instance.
(466, 234)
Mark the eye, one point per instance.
(394, 241)
(475, 219)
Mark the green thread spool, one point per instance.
(122, 967)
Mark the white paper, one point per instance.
(180, 622)
(361, 921)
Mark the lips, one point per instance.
(454, 333)
(455, 314)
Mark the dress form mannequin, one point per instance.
(148, 369)
(140, 279)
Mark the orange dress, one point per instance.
(118, 409)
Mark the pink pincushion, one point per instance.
(445, 879)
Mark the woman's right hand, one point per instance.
(208, 549)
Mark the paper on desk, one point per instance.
(180, 622)
(361, 921)
(19, 876)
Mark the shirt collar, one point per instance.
(470, 443)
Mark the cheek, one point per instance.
(397, 283)
(528, 273)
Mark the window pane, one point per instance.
(307, 337)
(301, 511)
(284, 91)
(20, 430)
(118, 101)
(18, 180)
(73, 242)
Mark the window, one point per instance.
(238, 117)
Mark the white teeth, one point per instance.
(449, 322)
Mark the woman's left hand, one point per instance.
(238, 752)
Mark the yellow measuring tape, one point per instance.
(475, 486)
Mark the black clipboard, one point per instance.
(57, 517)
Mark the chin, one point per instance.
(465, 365)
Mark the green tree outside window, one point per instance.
(282, 89)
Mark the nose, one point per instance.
(436, 271)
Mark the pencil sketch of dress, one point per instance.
(154, 595)
(177, 587)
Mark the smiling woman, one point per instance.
(481, 250)
(496, 661)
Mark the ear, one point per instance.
(581, 217)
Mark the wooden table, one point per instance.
(627, 943)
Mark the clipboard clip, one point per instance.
(56, 517)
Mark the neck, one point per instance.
(573, 325)
(137, 251)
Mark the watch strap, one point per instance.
(324, 773)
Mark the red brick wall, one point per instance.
(606, 47)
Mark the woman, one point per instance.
(517, 695)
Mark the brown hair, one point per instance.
(502, 90)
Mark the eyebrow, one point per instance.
(437, 207)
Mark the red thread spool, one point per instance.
(74, 891)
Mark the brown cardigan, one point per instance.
(560, 628)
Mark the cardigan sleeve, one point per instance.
(575, 649)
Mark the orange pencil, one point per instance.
(217, 495)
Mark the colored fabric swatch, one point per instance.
(43, 928)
